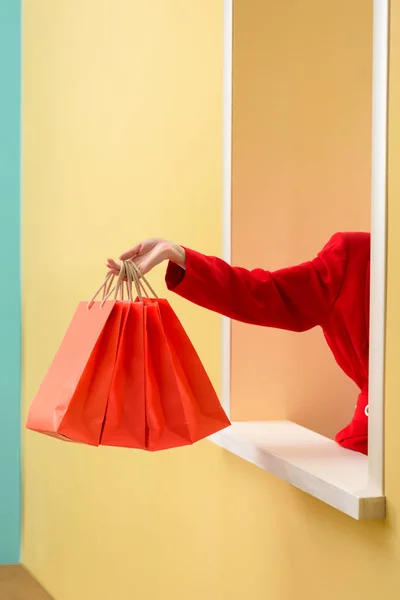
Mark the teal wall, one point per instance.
(10, 319)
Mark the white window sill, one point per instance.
(307, 460)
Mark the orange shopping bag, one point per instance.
(160, 396)
(72, 398)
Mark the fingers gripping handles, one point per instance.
(129, 277)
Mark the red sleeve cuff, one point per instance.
(174, 275)
(186, 282)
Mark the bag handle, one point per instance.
(128, 276)
(143, 282)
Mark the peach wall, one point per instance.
(302, 79)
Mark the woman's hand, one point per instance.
(149, 254)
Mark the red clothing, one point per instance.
(331, 291)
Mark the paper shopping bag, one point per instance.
(204, 413)
(160, 396)
(125, 418)
(72, 398)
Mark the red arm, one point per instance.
(296, 298)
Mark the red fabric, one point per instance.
(331, 291)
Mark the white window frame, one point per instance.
(253, 441)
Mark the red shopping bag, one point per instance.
(72, 399)
(160, 395)
(125, 418)
(203, 410)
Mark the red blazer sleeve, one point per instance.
(296, 298)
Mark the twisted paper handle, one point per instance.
(128, 277)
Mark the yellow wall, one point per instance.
(302, 91)
(122, 128)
